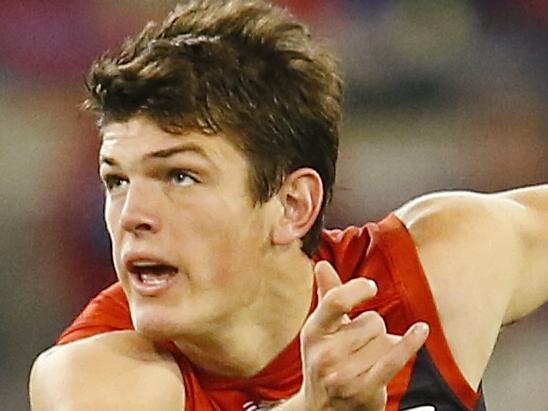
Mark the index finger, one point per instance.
(326, 278)
(334, 307)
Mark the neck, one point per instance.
(249, 340)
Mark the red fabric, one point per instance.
(418, 305)
(383, 252)
(109, 311)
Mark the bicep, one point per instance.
(100, 374)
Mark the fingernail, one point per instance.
(373, 285)
(421, 329)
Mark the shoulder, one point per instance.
(450, 213)
(480, 240)
(112, 371)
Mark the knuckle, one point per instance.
(346, 390)
(307, 335)
(323, 362)
(379, 324)
(391, 365)
(337, 385)
(367, 288)
(335, 302)
(374, 321)
(349, 392)
(407, 345)
(366, 316)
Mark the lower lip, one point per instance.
(152, 290)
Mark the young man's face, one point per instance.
(188, 242)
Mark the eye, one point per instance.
(182, 178)
(113, 182)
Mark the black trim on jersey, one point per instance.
(427, 387)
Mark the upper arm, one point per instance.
(500, 239)
(481, 256)
(109, 372)
(531, 224)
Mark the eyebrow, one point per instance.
(164, 153)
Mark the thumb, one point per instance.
(326, 278)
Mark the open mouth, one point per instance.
(153, 274)
(151, 277)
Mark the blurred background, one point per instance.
(441, 94)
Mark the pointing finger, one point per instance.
(332, 311)
(326, 278)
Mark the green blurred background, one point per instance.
(441, 94)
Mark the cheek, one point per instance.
(112, 218)
(109, 213)
(213, 249)
(228, 275)
(112, 213)
(239, 258)
(222, 239)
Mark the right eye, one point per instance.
(113, 182)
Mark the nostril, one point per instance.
(139, 223)
(143, 227)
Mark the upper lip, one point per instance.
(132, 259)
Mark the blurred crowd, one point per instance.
(440, 94)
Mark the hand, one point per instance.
(347, 364)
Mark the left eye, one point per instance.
(181, 178)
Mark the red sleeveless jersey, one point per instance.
(381, 251)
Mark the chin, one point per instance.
(160, 323)
(155, 324)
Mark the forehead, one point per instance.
(140, 136)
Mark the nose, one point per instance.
(140, 213)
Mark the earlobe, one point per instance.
(301, 197)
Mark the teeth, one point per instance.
(145, 263)
(154, 279)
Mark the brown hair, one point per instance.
(245, 67)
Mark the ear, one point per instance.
(301, 197)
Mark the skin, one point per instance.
(347, 364)
(192, 209)
(484, 260)
(202, 223)
(130, 364)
